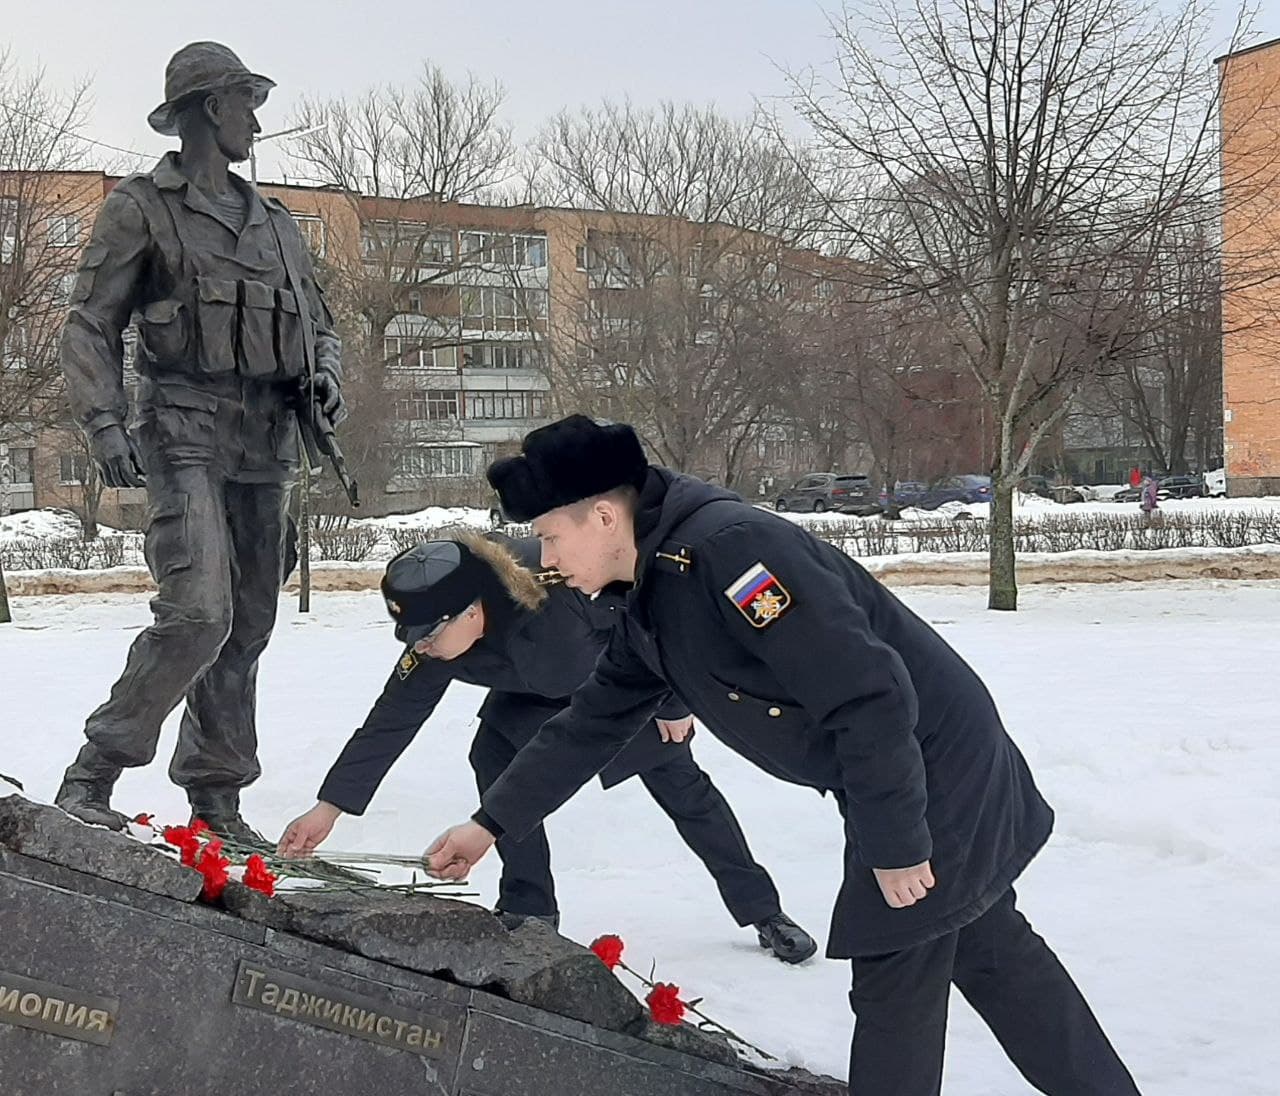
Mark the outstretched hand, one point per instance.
(455, 852)
(305, 833)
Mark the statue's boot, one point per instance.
(219, 809)
(86, 787)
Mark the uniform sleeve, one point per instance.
(614, 705)
(605, 612)
(92, 352)
(397, 716)
(672, 707)
(822, 650)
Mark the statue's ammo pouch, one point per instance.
(247, 327)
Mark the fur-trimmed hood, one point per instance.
(516, 580)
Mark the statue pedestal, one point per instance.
(121, 989)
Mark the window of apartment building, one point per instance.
(73, 468)
(503, 308)
(64, 230)
(505, 249)
(404, 352)
(15, 346)
(506, 405)
(501, 356)
(427, 405)
(8, 229)
(21, 466)
(62, 287)
(407, 241)
(313, 233)
(438, 461)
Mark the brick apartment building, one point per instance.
(483, 297)
(1250, 122)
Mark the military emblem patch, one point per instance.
(759, 596)
(407, 664)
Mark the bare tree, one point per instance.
(1008, 170)
(691, 261)
(1168, 385)
(43, 213)
(400, 161)
(879, 379)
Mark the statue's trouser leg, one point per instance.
(188, 549)
(217, 749)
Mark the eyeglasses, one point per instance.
(434, 634)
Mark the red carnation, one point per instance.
(258, 877)
(213, 866)
(664, 1004)
(608, 950)
(144, 819)
(199, 826)
(185, 840)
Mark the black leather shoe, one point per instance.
(90, 801)
(787, 940)
(515, 920)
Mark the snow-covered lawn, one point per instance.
(1149, 715)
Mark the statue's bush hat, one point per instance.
(203, 68)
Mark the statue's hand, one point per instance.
(117, 458)
(328, 391)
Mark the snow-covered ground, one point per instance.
(1148, 715)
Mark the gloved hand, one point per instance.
(329, 396)
(117, 458)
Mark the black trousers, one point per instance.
(1014, 982)
(701, 815)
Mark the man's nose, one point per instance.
(548, 557)
(253, 124)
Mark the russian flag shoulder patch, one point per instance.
(758, 595)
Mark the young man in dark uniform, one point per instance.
(476, 610)
(798, 659)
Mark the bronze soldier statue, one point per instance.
(234, 342)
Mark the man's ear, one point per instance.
(212, 109)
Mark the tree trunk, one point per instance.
(5, 616)
(1002, 591)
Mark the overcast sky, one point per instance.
(548, 53)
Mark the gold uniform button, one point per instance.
(734, 696)
(775, 712)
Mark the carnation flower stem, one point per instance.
(428, 887)
(707, 1022)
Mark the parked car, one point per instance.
(1215, 483)
(931, 496)
(1181, 487)
(821, 491)
(1167, 487)
(1036, 485)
